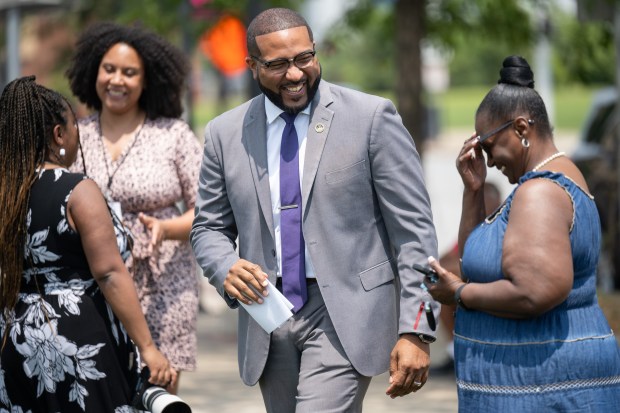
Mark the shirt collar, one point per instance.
(273, 112)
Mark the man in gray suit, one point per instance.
(339, 238)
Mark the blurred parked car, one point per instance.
(598, 156)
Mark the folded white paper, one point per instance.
(274, 310)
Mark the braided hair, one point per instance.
(28, 114)
(514, 95)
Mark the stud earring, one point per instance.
(62, 152)
(525, 143)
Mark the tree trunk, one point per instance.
(410, 30)
(254, 8)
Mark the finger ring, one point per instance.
(417, 384)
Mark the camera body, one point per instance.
(156, 399)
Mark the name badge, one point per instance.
(116, 207)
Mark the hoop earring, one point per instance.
(62, 152)
(525, 143)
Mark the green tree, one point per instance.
(584, 51)
(168, 17)
(444, 23)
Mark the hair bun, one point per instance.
(516, 71)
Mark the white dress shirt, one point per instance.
(275, 127)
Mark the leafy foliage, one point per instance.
(448, 21)
(584, 51)
(170, 17)
(477, 34)
(362, 58)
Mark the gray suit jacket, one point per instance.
(366, 220)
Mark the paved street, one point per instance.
(216, 386)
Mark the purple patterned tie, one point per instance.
(293, 254)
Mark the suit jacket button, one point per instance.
(273, 252)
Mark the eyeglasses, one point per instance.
(484, 137)
(280, 66)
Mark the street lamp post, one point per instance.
(12, 10)
(12, 43)
(616, 146)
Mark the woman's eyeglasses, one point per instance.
(484, 137)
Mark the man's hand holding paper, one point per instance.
(274, 310)
(247, 283)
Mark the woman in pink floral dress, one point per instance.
(146, 161)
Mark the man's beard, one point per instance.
(277, 100)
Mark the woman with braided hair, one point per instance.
(146, 161)
(63, 282)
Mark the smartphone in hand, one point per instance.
(430, 274)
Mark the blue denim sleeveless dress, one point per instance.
(565, 360)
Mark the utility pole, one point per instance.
(12, 11)
(542, 58)
(616, 131)
(12, 44)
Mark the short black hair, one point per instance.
(273, 20)
(165, 67)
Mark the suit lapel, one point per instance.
(255, 140)
(318, 129)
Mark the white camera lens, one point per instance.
(158, 400)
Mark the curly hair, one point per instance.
(165, 67)
(28, 114)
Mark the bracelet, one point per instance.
(457, 297)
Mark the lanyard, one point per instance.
(121, 161)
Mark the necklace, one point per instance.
(108, 191)
(547, 160)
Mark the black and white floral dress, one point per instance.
(65, 351)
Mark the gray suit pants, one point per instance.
(307, 369)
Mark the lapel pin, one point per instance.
(319, 127)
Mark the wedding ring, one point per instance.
(417, 384)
